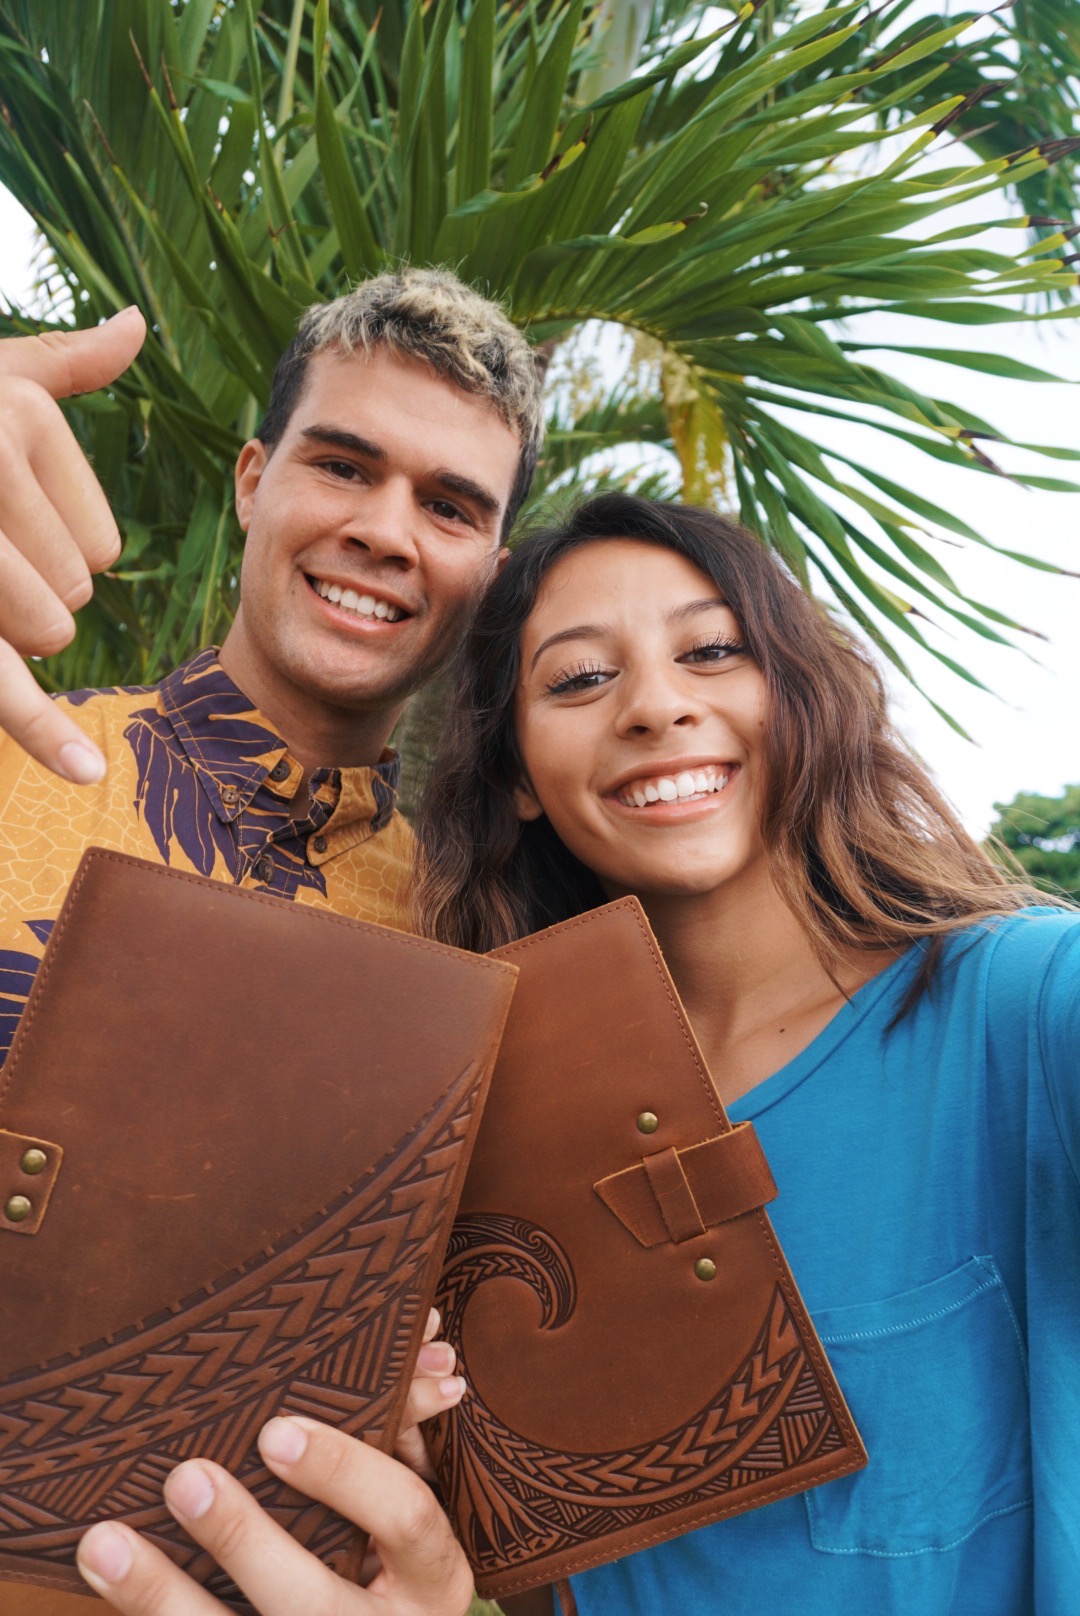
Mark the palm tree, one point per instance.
(734, 190)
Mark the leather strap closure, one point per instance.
(28, 1173)
(678, 1194)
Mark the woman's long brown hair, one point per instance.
(863, 848)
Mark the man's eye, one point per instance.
(446, 512)
(572, 681)
(340, 468)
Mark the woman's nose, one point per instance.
(654, 701)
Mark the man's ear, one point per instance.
(250, 465)
(525, 803)
(501, 559)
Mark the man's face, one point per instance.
(371, 526)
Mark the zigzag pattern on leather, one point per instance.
(319, 1324)
(516, 1502)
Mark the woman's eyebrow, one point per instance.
(584, 631)
(692, 607)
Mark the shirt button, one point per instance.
(319, 843)
(280, 771)
(264, 869)
(229, 794)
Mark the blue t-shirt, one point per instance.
(929, 1206)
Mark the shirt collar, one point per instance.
(235, 752)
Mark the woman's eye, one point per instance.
(573, 681)
(713, 651)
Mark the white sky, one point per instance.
(1028, 735)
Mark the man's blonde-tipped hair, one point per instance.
(426, 314)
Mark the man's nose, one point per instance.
(384, 522)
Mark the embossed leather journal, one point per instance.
(232, 1135)
(638, 1358)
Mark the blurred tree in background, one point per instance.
(1043, 834)
(732, 189)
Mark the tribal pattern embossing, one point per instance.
(319, 1324)
(516, 1502)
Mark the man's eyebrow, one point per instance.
(336, 437)
(595, 631)
(455, 483)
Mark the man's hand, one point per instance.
(434, 1388)
(424, 1572)
(56, 527)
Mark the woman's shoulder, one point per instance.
(1028, 966)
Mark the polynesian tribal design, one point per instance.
(518, 1501)
(321, 1324)
(17, 972)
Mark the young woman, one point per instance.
(649, 704)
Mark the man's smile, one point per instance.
(365, 605)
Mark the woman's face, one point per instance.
(640, 720)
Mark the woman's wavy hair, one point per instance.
(863, 848)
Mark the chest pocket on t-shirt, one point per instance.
(936, 1381)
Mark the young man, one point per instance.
(399, 442)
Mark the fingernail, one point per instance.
(283, 1440)
(432, 1324)
(454, 1387)
(437, 1356)
(81, 764)
(189, 1491)
(104, 1554)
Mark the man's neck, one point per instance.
(318, 734)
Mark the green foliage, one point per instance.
(727, 197)
(1043, 834)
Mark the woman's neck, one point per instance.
(754, 990)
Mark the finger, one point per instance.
(278, 1576)
(46, 732)
(70, 362)
(136, 1578)
(32, 619)
(34, 528)
(43, 470)
(430, 1397)
(421, 1558)
(431, 1328)
(436, 1358)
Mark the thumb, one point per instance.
(69, 362)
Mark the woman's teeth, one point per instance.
(682, 787)
(363, 605)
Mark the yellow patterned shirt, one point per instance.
(198, 780)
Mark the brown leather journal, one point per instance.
(232, 1136)
(638, 1358)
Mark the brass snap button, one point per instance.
(17, 1209)
(34, 1161)
(648, 1122)
(705, 1268)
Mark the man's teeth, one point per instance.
(363, 605)
(675, 787)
